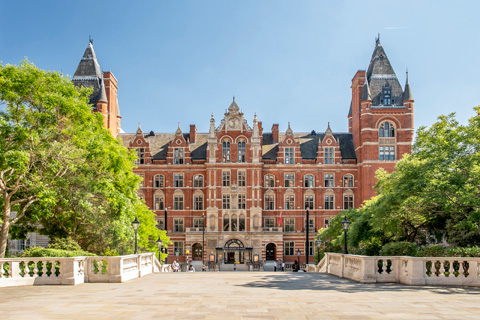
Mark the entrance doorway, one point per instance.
(270, 251)
(197, 252)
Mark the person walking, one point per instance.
(274, 266)
(283, 265)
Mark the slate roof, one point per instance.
(89, 74)
(380, 72)
(308, 144)
(407, 94)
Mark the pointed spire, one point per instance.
(103, 94)
(118, 110)
(211, 131)
(88, 73)
(407, 93)
(179, 131)
(329, 130)
(366, 95)
(139, 130)
(289, 130)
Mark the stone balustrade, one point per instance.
(407, 270)
(76, 270)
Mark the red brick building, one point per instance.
(251, 188)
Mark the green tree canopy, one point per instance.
(61, 171)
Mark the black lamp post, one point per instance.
(345, 225)
(203, 244)
(307, 243)
(136, 225)
(159, 244)
(318, 242)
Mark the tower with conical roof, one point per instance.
(104, 84)
(380, 118)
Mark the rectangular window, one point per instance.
(308, 202)
(140, 156)
(197, 202)
(159, 204)
(269, 202)
(241, 179)
(226, 178)
(241, 201)
(269, 181)
(160, 223)
(178, 155)
(387, 153)
(347, 201)
(269, 222)
(289, 180)
(289, 155)
(178, 202)
(198, 181)
(178, 180)
(198, 223)
(311, 225)
(329, 202)
(226, 201)
(289, 224)
(329, 182)
(158, 181)
(328, 155)
(178, 247)
(177, 225)
(326, 224)
(311, 248)
(289, 202)
(289, 248)
(308, 183)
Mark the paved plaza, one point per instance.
(239, 295)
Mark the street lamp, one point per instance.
(318, 242)
(345, 225)
(203, 244)
(307, 243)
(159, 244)
(136, 225)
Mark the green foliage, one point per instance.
(436, 250)
(64, 244)
(463, 252)
(74, 179)
(46, 252)
(399, 249)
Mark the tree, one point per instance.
(60, 169)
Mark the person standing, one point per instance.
(283, 265)
(274, 266)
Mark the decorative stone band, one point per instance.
(383, 77)
(442, 271)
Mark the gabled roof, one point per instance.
(379, 73)
(89, 74)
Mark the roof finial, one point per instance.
(90, 39)
(234, 98)
(407, 74)
(377, 40)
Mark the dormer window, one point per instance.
(178, 155)
(386, 99)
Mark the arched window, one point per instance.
(178, 201)
(289, 200)
(329, 201)
(386, 130)
(387, 98)
(348, 200)
(141, 195)
(234, 222)
(348, 181)
(308, 181)
(269, 181)
(226, 151)
(241, 223)
(158, 200)
(226, 222)
(241, 151)
(158, 181)
(198, 181)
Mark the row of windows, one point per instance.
(269, 180)
(269, 203)
(226, 151)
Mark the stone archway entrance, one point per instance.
(270, 251)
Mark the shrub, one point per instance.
(47, 252)
(399, 249)
(436, 250)
(65, 244)
(463, 252)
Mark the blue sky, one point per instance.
(179, 61)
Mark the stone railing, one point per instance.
(406, 270)
(72, 271)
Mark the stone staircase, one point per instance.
(229, 267)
